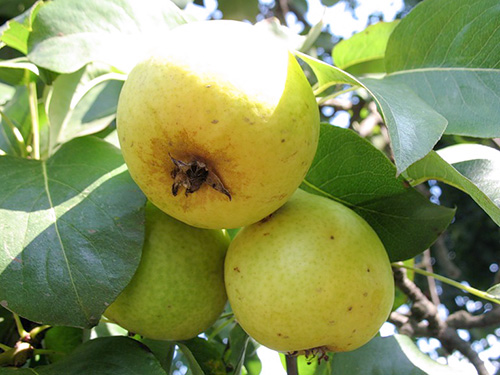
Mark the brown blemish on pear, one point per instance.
(192, 175)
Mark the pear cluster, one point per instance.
(218, 129)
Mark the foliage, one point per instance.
(72, 219)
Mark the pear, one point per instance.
(313, 276)
(220, 126)
(178, 289)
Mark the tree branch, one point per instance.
(464, 320)
(424, 321)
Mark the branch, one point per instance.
(424, 321)
(464, 320)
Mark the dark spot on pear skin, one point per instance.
(266, 234)
(192, 175)
(331, 237)
(367, 270)
(365, 294)
(283, 140)
(349, 308)
(236, 269)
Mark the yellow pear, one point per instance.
(312, 276)
(178, 290)
(220, 126)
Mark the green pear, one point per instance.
(178, 289)
(313, 276)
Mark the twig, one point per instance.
(424, 321)
(430, 280)
(464, 320)
(291, 364)
(456, 284)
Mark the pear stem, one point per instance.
(291, 365)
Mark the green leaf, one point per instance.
(364, 52)
(207, 356)
(68, 34)
(252, 364)
(83, 103)
(163, 350)
(448, 52)
(106, 356)
(15, 126)
(15, 32)
(104, 329)
(494, 291)
(63, 340)
(472, 168)
(238, 341)
(194, 366)
(72, 232)
(389, 355)
(239, 9)
(18, 71)
(349, 169)
(329, 3)
(414, 126)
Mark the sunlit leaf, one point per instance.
(71, 230)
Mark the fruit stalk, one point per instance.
(291, 364)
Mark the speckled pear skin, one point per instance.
(223, 94)
(178, 289)
(312, 275)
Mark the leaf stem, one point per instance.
(35, 126)
(37, 330)
(220, 328)
(291, 365)
(47, 352)
(456, 284)
(5, 347)
(19, 325)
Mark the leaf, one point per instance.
(71, 231)
(472, 168)
(106, 356)
(15, 32)
(163, 350)
(349, 169)
(68, 34)
(18, 71)
(389, 355)
(194, 366)
(238, 341)
(448, 52)
(63, 340)
(494, 291)
(206, 355)
(239, 9)
(15, 126)
(83, 103)
(364, 52)
(252, 363)
(329, 3)
(414, 127)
